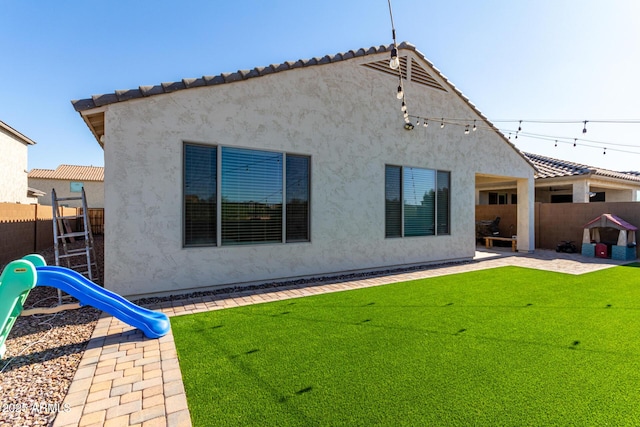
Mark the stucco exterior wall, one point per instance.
(13, 166)
(346, 117)
(94, 190)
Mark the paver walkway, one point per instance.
(126, 379)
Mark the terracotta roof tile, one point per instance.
(70, 173)
(549, 167)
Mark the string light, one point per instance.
(426, 123)
(474, 126)
(400, 93)
(442, 124)
(466, 130)
(584, 129)
(404, 107)
(394, 63)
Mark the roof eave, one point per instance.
(94, 119)
(22, 138)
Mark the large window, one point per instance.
(244, 199)
(417, 202)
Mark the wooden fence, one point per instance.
(26, 229)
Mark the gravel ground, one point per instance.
(43, 354)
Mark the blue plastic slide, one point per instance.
(153, 324)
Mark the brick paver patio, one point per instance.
(126, 379)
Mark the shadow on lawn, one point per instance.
(461, 332)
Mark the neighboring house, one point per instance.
(293, 170)
(14, 187)
(560, 181)
(68, 181)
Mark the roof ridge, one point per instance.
(121, 95)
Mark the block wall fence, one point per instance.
(555, 222)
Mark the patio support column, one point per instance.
(581, 191)
(526, 215)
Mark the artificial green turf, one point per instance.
(507, 346)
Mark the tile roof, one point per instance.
(70, 172)
(95, 119)
(145, 91)
(553, 168)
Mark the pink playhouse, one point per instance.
(609, 236)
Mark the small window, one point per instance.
(76, 187)
(498, 198)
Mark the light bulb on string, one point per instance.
(584, 129)
(556, 143)
(400, 93)
(442, 124)
(404, 107)
(466, 130)
(426, 123)
(605, 151)
(394, 63)
(574, 141)
(474, 126)
(405, 115)
(520, 126)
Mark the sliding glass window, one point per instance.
(417, 202)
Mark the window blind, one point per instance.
(298, 195)
(251, 191)
(392, 201)
(419, 201)
(199, 195)
(443, 202)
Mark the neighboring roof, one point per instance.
(609, 220)
(70, 173)
(16, 134)
(553, 168)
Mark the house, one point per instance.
(14, 186)
(68, 181)
(298, 169)
(561, 181)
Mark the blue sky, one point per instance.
(549, 60)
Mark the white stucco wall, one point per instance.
(13, 166)
(94, 191)
(346, 117)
